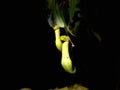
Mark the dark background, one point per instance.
(32, 60)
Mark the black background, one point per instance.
(32, 60)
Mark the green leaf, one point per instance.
(76, 27)
(72, 7)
